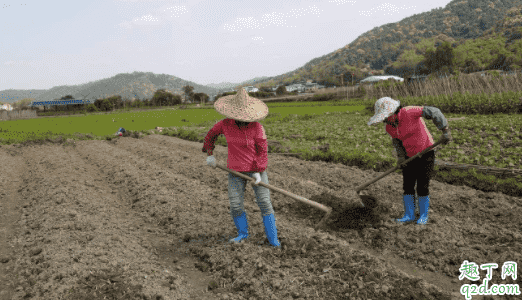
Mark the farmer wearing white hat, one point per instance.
(411, 136)
(247, 154)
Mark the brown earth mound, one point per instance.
(147, 219)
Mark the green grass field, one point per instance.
(487, 140)
(102, 125)
(492, 140)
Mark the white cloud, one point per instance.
(175, 11)
(386, 7)
(160, 17)
(258, 38)
(279, 19)
(338, 2)
(147, 20)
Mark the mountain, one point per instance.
(141, 84)
(229, 85)
(254, 80)
(483, 34)
(222, 85)
(17, 95)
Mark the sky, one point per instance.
(51, 43)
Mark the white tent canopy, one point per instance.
(379, 78)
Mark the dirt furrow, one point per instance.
(11, 180)
(78, 242)
(144, 201)
(279, 176)
(434, 252)
(99, 216)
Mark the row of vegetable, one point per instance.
(507, 102)
(487, 140)
(494, 140)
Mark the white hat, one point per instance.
(384, 108)
(242, 107)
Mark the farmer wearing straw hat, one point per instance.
(247, 154)
(411, 136)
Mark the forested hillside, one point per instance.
(480, 34)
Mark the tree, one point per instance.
(189, 92)
(176, 99)
(91, 108)
(84, 98)
(281, 90)
(501, 62)
(165, 98)
(442, 56)
(265, 89)
(107, 104)
(444, 71)
(103, 104)
(22, 104)
(63, 107)
(115, 102)
(201, 98)
(470, 65)
(158, 97)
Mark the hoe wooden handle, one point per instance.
(362, 187)
(275, 189)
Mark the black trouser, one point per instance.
(418, 170)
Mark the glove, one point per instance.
(446, 136)
(257, 177)
(211, 161)
(400, 160)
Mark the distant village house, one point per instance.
(6, 106)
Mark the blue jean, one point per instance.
(236, 193)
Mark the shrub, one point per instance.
(261, 94)
(92, 108)
(281, 90)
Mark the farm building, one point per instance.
(374, 79)
(6, 106)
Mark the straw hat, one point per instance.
(242, 107)
(384, 108)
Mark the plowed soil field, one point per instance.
(148, 219)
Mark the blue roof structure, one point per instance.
(60, 102)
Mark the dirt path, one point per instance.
(147, 219)
(13, 167)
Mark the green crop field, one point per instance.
(16, 131)
(491, 140)
(486, 140)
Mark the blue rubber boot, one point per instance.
(409, 209)
(271, 230)
(242, 228)
(424, 206)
